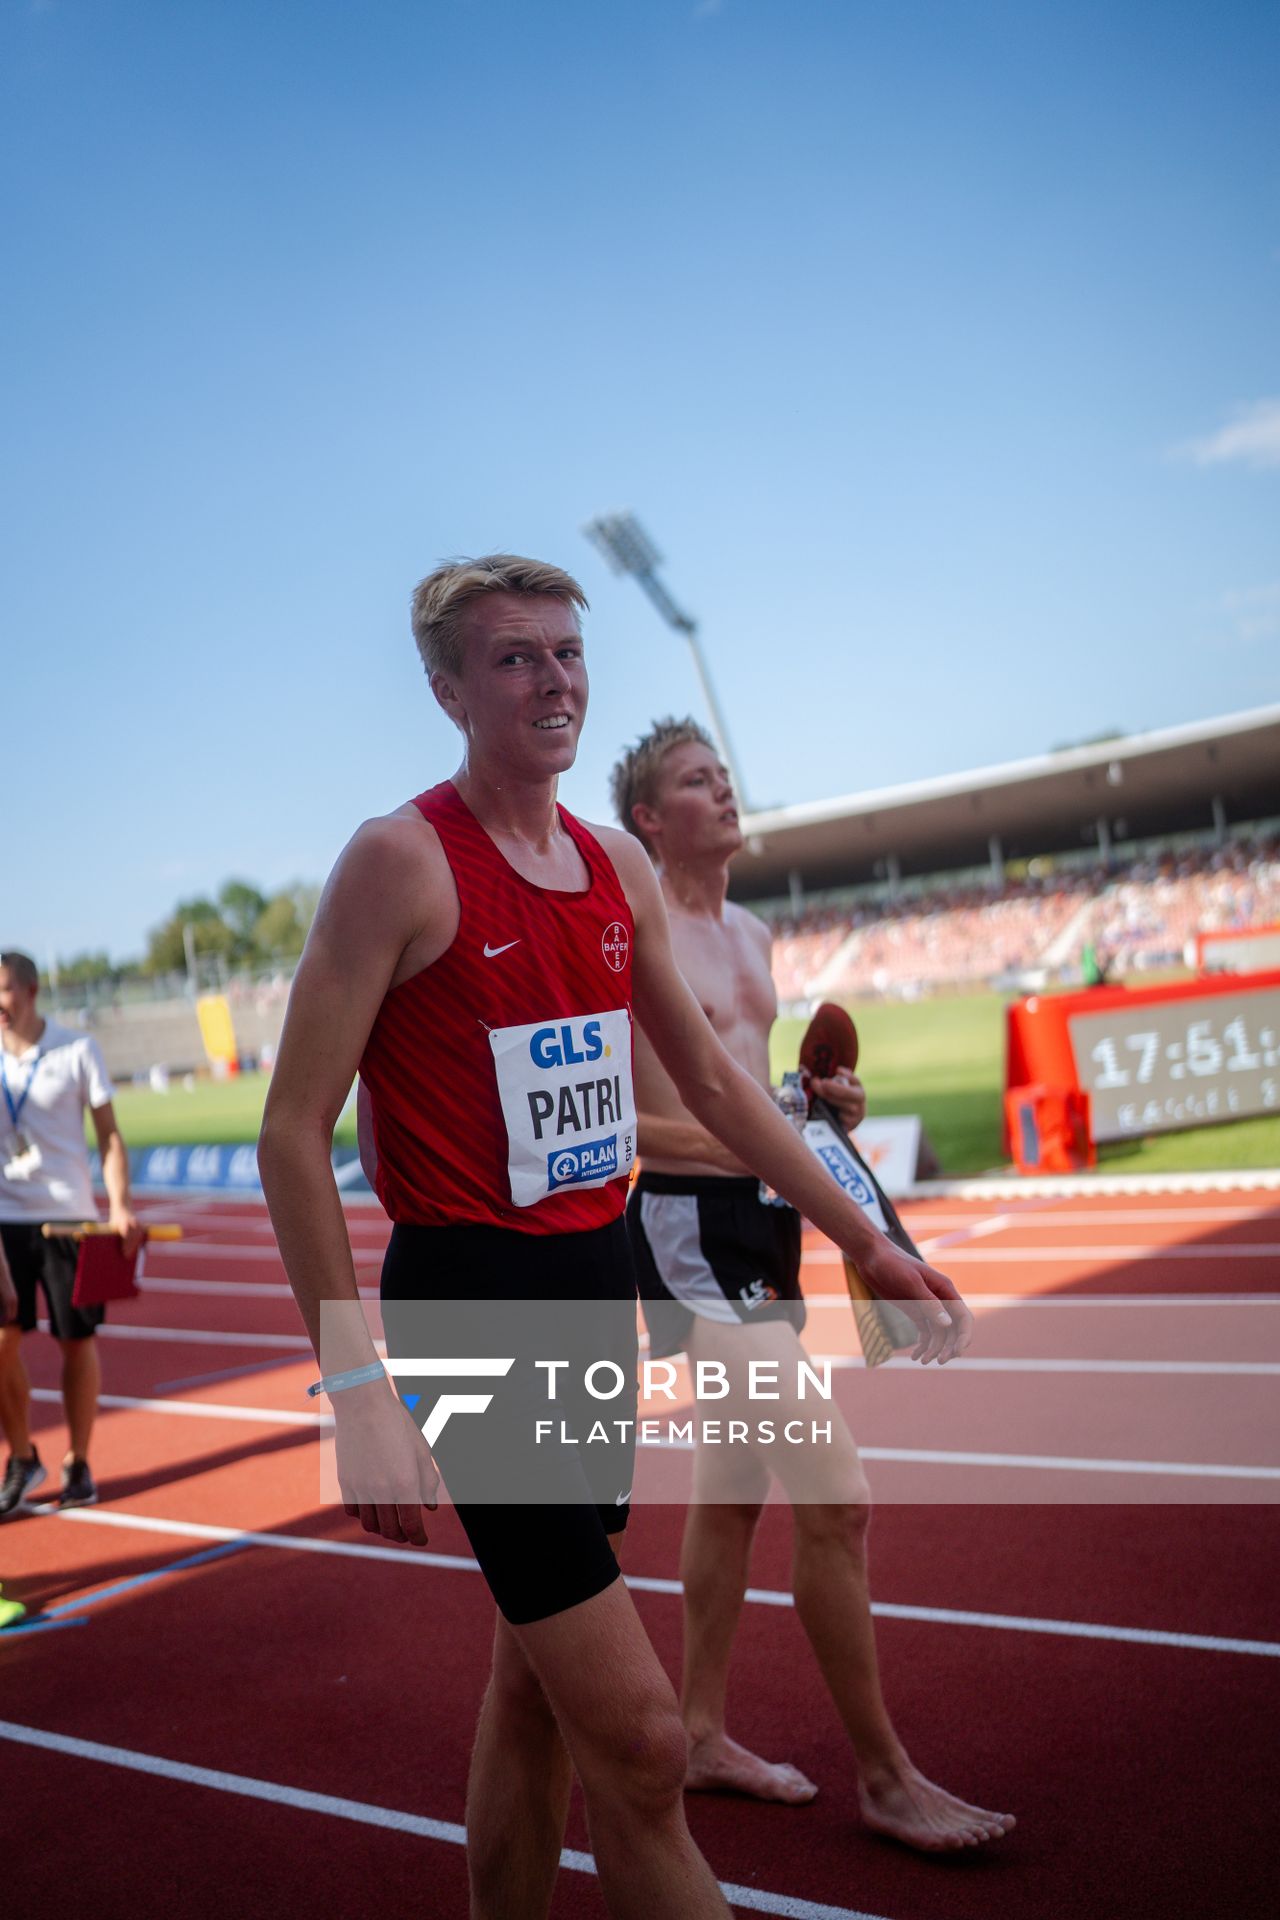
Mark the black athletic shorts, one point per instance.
(51, 1266)
(545, 1554)
(707, 1245)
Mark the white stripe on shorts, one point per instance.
(670, 1222)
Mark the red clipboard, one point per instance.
(104, 1272)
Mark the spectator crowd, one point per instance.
(1137, 916)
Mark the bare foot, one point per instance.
(719, 1765)
(907, 1807)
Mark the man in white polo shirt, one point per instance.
(49, 1074)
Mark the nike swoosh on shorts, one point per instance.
(491, 953)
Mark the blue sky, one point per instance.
(935, 344)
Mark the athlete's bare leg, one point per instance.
(621, 1725)
(517, 1792)
(15, 1394)
(728, 1494)
(81, 1380)
(831, 1509)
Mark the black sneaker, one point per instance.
(21, 1478)
(78, 1489)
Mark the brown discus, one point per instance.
(830, 1041)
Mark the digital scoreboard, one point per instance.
(1152, 1059)
(1178, 1063)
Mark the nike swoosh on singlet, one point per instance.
(491, 953)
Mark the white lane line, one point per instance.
(197, 1336)
(842, 1362)
(1047, 1462)
(198, 1409)
(755, 1899)
(1145, 1301)
(1192, 1217)
(1214, 1250)
(1068, 1463)
(289, 1542)
(1070, 1186)
(233, 1289)
(910, 1456)
(644, 1583)
(1104, 1217)
(198, 1250)
(281, 1290)
(973, 1230)
(216, 1250)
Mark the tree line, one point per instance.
(240, 926)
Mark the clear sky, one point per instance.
(936, 343)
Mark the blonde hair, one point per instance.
(439, 601)
(634, 781)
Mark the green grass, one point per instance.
(942, 1059)
(214, 1113)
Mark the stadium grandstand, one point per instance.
(1004, 877)
(1125, 848)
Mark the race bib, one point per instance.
(568, 1102)
(823, 1141)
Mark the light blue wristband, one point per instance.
(353, 1377)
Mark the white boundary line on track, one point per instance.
(994, 1186)
(950, 1255)
(1113, 1216)
(1146, 1301)
(757, 1596)
(844, 1362)
(756, 1900)
(281, 1290)
(233, 1289)
(854, 1362)
(908, 1456)
(198, 1336)
(199, 1409)
(1065, 1186)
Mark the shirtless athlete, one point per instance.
(704, 1244)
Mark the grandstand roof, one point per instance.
(1142, 785)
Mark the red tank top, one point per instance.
(500, 1076)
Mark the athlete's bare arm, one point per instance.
(389, 909)
(726, 965)
(726, 1100)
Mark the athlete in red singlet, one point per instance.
(502, 1111)
(522, 955)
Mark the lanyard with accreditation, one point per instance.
(20, 1151)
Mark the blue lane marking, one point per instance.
(143, 1579)
(41, 1624)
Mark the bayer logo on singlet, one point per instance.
(615, 944)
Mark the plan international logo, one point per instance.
(592, 1160)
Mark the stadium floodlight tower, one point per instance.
(628, 549)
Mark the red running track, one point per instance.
(1117, 1690)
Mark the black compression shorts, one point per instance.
(550, 1550)
(708, 1246)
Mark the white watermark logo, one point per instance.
(450, 1403)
